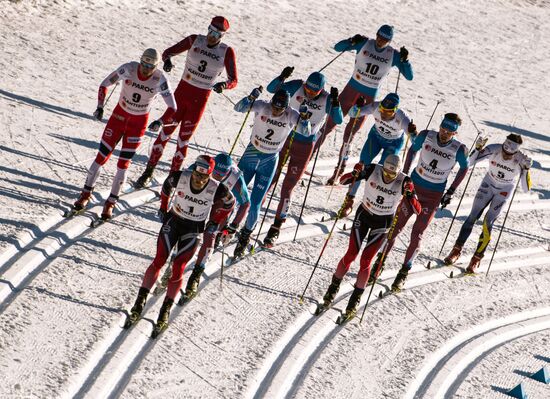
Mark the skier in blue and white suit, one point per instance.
(273, 122)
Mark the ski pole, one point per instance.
(244, 122)
(346, 148)
(307, 192)
(325, 245)
(110, 94)
(285, 158)
(397, 84)
(378, 271)
(331, 61)
(228, 99)
(502, 227)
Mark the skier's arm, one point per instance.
(351, 44)
(223, 204)
(302, 125)
(291, 86)
(407, 190)
(525, 175)
(231, 69)
(478, 156)
(179, 47)
(240, 191)
(415, 147)
(364, 110)
(169, 100)
(109, 81)
(462, 159)
(364, 174)
(403, 66)
(244, 105)
(334, 111)
(167, 187)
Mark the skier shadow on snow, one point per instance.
(43, 180)
(72, 299)
(512, 129)
(79, 262)
(256, 286)
(500, 389)
(28, 198)
(56, 109)
(41, 158)
(28, 227)
(543, 358)
(88, 242)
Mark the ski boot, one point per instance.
(192, 285)
(453, 255)
(353, 305)
(474, 263)
(137, 309)
(242, 244)
(107, 212)
(399, 281)
(333, 180)
(162, 321)
(347, 207)
(332, 290)
(273, 233)
(82, 201)
(376, 267)
(145, 178)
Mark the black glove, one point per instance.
(334, 96)
(162, 214)
(287, 71)
(168, 65)
(411, 128)
(356, 39)
(211, 227)
(219, 87)
(446, 199)
(155, 126)
(98, 113)
(360, 102)
(403, 54)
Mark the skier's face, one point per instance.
(388, 175)
(277, 111)
(199, 180)
(214, 36)
(311, 93)
(381, 42)
(445, 135)
(146, 69)
(386, 113)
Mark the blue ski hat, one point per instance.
(391, 101)
(385, 31)
(223, 163)
(281, 98)
(316, 81)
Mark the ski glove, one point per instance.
(356, 39)
(168, 65)
(287, 71)
(360, 102)
(348, 178)
(403, 54)
(227, 233)
(480, 143)
(408, 188)
(255, 93)
(526, 162)
(155, 126)
(219, 87)
(304, 113)
(98, 113)
(412, 128)
(415, 204)
(446, 199)
(334, 97)
(357, 169)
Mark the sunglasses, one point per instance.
(215, 33)
(146, 65)
(388, 174)
(310, 92)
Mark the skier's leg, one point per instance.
(262, 180)
(375, 240)
(187, 246)
(359, 230)
(482, 199)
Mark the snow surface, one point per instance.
(64, 287)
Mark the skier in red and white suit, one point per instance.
(141, 82)
(206, 59)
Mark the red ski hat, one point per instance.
(220, 23)
(205, 164)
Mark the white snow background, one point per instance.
(64, 287)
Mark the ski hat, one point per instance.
(281, 99)
(316, 82)
(219, 24)
(512, 143)
(392, 164)
(390, 102)
(205, 164)
(223, 164)
(151, 57)
(385, 31)
(451, 122)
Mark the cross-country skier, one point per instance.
(385, 185)
(141, 82)
(320, 103)
(273, 122)
(506, 163)
(387, 134)
(198, 197)
(439, 152)
(227, 173)
(373, 61)
(207, 57)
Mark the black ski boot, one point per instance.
(376, 267)
(353, 305)
(145, 178)
(399, 281)
(137, 309)
(164, 315)
(242, 244)
(332, 290)
(273, 233)
(192, 285)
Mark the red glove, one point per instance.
(415, 204)
(408, 188)
(357, 169)
(347, 178)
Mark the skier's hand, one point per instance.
(227, 234)
(357, 169)
(411, 128)
(162, 214)
(98, 113)
(360, 102)
(334, 97)
(219, 87)
(480, 142)
(155, 126)
(415, 204)
(304, 113)
(347, 178)
(287, 71)
(255, 93)
(403, 54)
(446, 199)
(408, 189)
(526, 162)
(211, 227)
(356, 39)
(168, 65)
